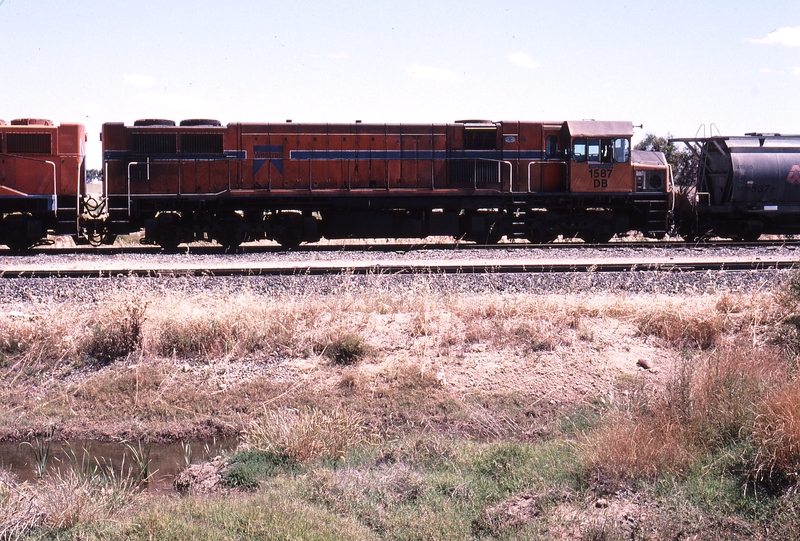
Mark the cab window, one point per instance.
(622, 150)
(594, 150)
(579, 150)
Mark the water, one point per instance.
(166, 460)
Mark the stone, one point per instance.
(645, 364)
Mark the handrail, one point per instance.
(499, 170)
(541, 162)
(147, 163)
(55, 189)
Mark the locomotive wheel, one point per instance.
(600, 236)
(231, 231)
(492, 236)
(168, 234)
(288, 240)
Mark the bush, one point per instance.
(117, 334)
(247, 468)
(347, 349)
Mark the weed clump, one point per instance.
(246, 469)
(776, 438)
(305, 434)
(19, 511)
(680, 328)
(345, 350)
(117, 334)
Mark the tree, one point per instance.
(94, 175)
(682, 160)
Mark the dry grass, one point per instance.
(776, 437)
(70, 498)
(708, 404)
(418, 367)
(305, 434)
(19, 510)
(180, 357)
(680, 327)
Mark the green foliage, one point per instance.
(94, 175)
(681, 159)
(248, 469)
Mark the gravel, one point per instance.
(93, 290)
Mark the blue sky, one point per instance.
(669, 65)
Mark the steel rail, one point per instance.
(317, 268)
(206, 248)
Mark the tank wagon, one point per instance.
(291, 182)
(42, 170)
(744, 186)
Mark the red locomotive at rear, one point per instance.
(42, 173)
(473, 179)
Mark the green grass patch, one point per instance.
(248, 469)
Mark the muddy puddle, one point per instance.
(28, 460)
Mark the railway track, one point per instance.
(112, 269)
(214, 249)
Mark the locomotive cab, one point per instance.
(600, 160)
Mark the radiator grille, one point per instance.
(201, 143)
(154, 143)
(474, 171)
(29, 143)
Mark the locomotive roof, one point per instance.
(648, 157)
(602, 128)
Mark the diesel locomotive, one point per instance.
(293, 183)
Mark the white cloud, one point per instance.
(141, 81)
(430, 73)
(523, 59)
(796, 71)
(174, 101)
(790, 37)
(338, 55)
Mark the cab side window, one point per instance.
(579, 150)
(594, 150)
(622, 150)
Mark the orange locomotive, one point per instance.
(472, 179)
(42, 172)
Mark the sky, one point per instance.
(678, 67)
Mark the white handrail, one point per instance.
(55, 189)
